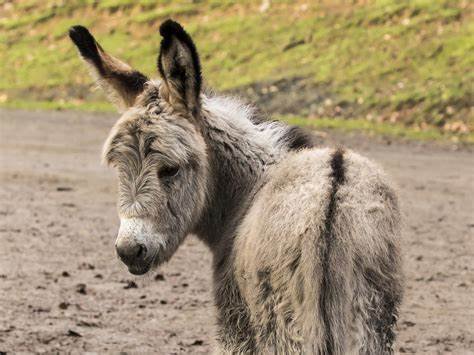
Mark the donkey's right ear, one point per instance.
(121, 83)
(179, 67)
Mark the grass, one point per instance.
(413, 58)
(382, 129)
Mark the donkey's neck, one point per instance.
(239, 152)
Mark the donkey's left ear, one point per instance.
(179, 66)
(119, 80)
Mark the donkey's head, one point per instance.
(156, 146)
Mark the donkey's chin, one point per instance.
(142, 268)
(139, 269)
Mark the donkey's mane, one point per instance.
(256, 125)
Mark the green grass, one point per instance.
(382, 129)
(151, 17)
(413, 58)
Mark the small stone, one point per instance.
(86, 266)
(159, 277)
(73, 333)
(84, 323)
(130, 284)
(63, 188)
(81, 288)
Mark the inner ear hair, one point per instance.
(179, 66)
(118, 79)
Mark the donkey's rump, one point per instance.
(305, 248)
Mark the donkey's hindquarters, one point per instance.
(317, 259)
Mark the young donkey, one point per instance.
(304, 240)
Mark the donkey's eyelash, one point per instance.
(168, 171)
(151, 150)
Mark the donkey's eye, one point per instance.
(168, 171)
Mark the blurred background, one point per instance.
(392, 79)
(385, 64)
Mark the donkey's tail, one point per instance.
(327, 279)
(357, 276)
(334, 295)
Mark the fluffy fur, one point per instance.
(305, 240)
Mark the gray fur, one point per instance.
(305, 241)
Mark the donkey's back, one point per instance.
(317, 259)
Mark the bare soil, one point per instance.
(63, 289)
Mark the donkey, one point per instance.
(305, 240)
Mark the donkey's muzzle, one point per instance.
(133, 254)
(135, 245)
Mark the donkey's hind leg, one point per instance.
(368, 219)
(375, 315)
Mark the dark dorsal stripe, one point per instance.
(337, 177)
(337, 166)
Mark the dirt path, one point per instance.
(62, 288)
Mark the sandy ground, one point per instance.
(63, 289)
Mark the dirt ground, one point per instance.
(63, 289)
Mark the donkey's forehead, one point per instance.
(152, 126)
(150, 112)
(154, 117)
(150, 98)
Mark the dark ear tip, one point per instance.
(85, 42)
(170, 27)
(78, 28)
(80, 36)
(78, 31)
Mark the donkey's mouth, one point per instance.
(142, 268)
(139, 269)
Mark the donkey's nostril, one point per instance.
(141, 251)
(131, 253)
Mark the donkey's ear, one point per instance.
(119, 80)
(179, 66)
